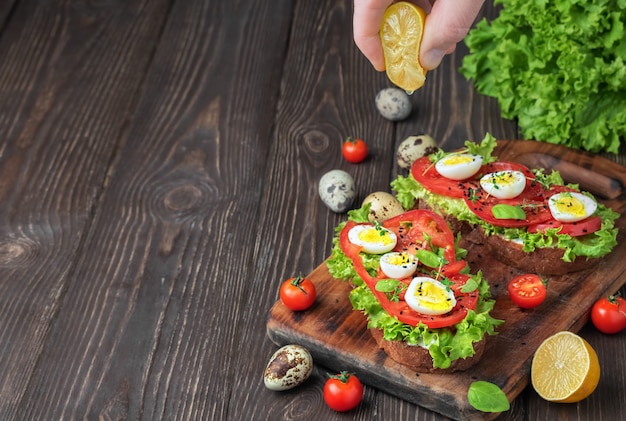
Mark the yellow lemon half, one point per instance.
(565, 368)
(401, 35)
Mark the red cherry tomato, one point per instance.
(354, 150)
(527, 291)
(608, 314)
(297, 293)
(343, 392)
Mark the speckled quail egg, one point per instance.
(382, 206)
(393, 103)
(414, 147)
(289, 367)
(336, 189)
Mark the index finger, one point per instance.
(368, 15)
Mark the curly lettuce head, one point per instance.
(558, 67)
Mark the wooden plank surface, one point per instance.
(158, 180)
(174, 186)
(68, 76)
(5, 9)
(337, 336)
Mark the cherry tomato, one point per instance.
(608, 314)
(354, 150)
(527, 291)
(297, 293)
(343, 392)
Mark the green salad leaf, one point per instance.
(558, 67)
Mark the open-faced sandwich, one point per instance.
(423, 306)
(527, 218)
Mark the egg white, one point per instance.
(373, 239)
(504, 184)
(459, 166)
(429, 296)
(398, 265)
(571, 206)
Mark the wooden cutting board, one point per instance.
(338, 339)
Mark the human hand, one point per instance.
(447, 23)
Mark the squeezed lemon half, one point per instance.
(401, 35)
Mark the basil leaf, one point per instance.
(387, 285)
(501, 211)
(487, 397)
(429, 258)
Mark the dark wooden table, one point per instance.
(158, 180)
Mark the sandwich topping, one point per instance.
(459, 166)
(571, 207)
(373, 239)
(420, 291)
(500, 185)
(422, 299)
(429, 296)
(504, 184)
(511, 200)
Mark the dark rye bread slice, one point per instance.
(542, 261)
(418, 359)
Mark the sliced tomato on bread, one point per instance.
(423, 170)
(419, 229)
(482, 204)
(573, 229)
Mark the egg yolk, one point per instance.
(503, 178)
(570, 205)
(432, 297)
(400, 259)
(372, 235)
(457, 159)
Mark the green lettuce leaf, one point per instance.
(558, 67)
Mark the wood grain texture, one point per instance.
(158, 180)
(67, 77)
(186, 173)
(5, 11)
(337, 336)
